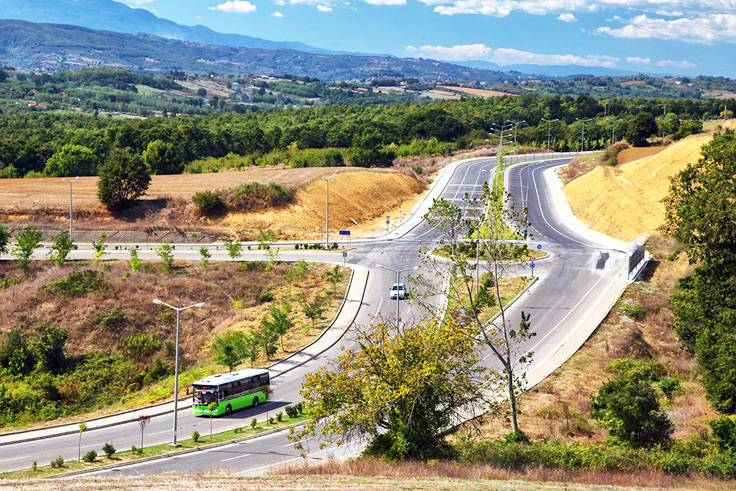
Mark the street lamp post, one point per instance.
(70, 204)
(613, 131)
(398, 273)
(549, 133)
(176, 359)
(327, 210)
(582, 137)
(516, 124)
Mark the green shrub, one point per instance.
(113, 318)
(280, 416)
(253, 423)
(637, 368)
(58, 462)
(109, 449)
(78, 283)
(669, 387)
(254, 196)
(300, 407)
(270, 420)
(34, 466)
(195, 436)
(209, 203)
(266, 296)
(291, 411)
(90, 456)
(633, 310)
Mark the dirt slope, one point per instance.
(626, 201)
(365, 196)
(362, 196)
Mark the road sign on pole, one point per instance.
(388, 221)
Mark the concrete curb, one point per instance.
(171, 454)
(74, 425)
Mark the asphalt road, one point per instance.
(574, 275)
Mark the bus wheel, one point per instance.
(255, 402)
(228, 410)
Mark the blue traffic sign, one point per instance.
(532, 265)
(344, 232)
(539, 246)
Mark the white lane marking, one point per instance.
(16, 458)
(236, 457)
(286, 461)
(541, 211)
(159, 432)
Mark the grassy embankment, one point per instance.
(119, 351)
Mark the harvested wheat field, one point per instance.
(484, 93)
(362, 197)
(358, 194)
(626, 201)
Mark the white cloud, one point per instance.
(386, 2)
(638, 61)
(670, 13)
(502, 8)
(507, 56)
(324, 8)
(705, 29)
(277, 14)
(676, 64)
(567, 18)
(453, 53)
(235, 6)
(138, 2)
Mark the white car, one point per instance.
(398, 290)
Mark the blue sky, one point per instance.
(687, 37)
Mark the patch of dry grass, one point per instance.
(378, 477)
(232, 293)
(559, 407)
(451, 475)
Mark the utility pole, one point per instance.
(549, 133)
(582, 137)
(327, 210)
(70, 204)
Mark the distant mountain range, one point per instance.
(109, 15)
(52, 47)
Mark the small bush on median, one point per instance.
(90, 456)
(253, 423)
(195, 436)
(291, 411)
(58, 462)
(109, 449)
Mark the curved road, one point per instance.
(577, 275)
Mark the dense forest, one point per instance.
(28, 141)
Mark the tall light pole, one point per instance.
(398, 273)
(70, 204)
(613, 131)
(516, 124)
(582, 137)
(327, 210)
(176, 359)
(549, 133)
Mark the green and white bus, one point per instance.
(231, 391)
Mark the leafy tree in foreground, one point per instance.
(26, 243)
(700, 214)
(51, 349)
(472, 285)
(61, 248)
(230, 349)
(123, 178)
(234, 249)
(166, 253)
(277, 321)
(630, 409)
(399, 387)
(4, 239)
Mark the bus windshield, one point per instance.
(205, 395)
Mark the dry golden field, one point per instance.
(364, 196)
